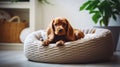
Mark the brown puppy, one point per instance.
(60, 31)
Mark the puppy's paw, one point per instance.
(60, 43)
(45, 43)
(79, 35)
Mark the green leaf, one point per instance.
(100, 9)
(92, 5)
(105, 20)
(93, 12)
(115, 12)
(101, 21)
(47, 2)
(116, 1)
(114, 17)
(44, 1)
(84, 5)
(96, 17)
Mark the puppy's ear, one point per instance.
(70, 32)
(50, 31)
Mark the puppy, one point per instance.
(60, 31)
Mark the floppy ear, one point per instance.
(50, 31)
(70, 32)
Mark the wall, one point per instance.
(70, 10)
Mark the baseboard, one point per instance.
(11, 46)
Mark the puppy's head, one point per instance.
(59, 26)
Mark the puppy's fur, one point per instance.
(60, 31)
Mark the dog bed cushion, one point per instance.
(97, 45)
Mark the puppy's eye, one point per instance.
(63, 24)
(56, 24)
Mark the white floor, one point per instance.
(17, 59)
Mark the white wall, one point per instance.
(70, 10)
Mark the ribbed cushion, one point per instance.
(97, 45)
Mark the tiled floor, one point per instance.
(17, 59)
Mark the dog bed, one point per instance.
(97, 45)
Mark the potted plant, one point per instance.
(102, 11)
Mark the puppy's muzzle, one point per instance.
(60, 30)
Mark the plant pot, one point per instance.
(115, 33)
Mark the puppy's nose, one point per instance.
(60, 30)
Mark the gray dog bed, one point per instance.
(97, 45)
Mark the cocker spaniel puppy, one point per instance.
(60, 31)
